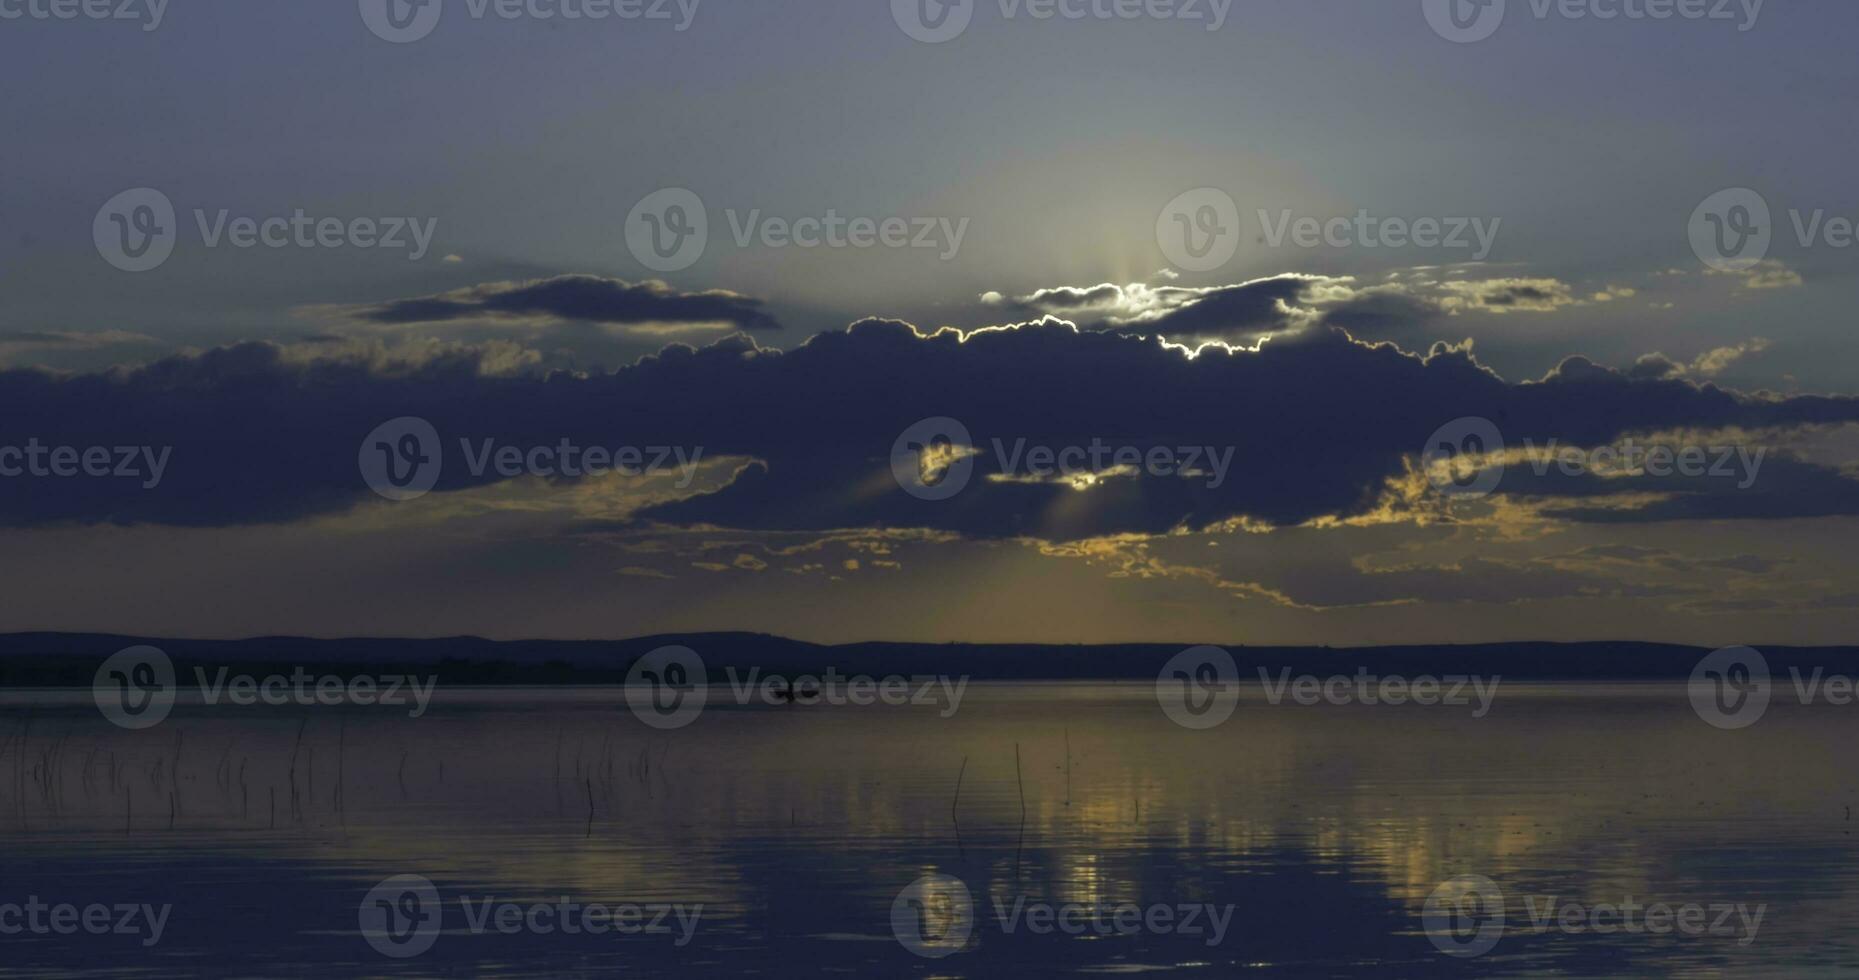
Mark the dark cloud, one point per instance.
(1779, 488)
(589, 299)
(1411, 308)
(1258, 307)
(1655, 367)
(1388, 314)
(1317, 428)
(1242, 311)
(1515, 295)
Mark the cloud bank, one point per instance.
(1318, 427)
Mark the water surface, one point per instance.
(796, 827)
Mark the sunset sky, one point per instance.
(1038, 167)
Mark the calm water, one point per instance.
(796, 827)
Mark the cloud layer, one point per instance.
(1317, 427)
(586, 299)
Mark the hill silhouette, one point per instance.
(70, 659)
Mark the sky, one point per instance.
(1133, 322)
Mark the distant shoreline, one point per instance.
(30, 660)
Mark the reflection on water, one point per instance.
(796, 827)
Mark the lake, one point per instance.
(1041, 829)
